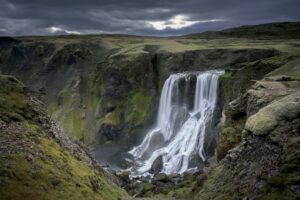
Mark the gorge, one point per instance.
(204, 116)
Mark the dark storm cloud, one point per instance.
(150, 17)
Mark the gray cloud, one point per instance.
(146, 17)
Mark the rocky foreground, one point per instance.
(37, 160)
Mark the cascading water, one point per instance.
(179, 133)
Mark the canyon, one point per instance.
(224, 102)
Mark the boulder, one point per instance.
(161, 177)
(124, 176)
(148, 187)
(157, 166)
(277, 113)
(263, 93)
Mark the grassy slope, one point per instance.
(34, 165)
(132, 45)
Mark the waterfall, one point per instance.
(179, 132)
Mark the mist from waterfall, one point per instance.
(180, 130)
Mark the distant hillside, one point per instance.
(278, 30)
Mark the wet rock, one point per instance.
(161, 177)
(135, 188)
(124, 176)
(110, 131)
(176, 179)
(148, 187)
(145, 179)
(157, 166)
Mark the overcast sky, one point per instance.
(140, 17)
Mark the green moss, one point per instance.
(148, 187)
(33, 165)
(291, 69)
(227, 88)
(228, 139)
(72, 121)
(112, 117)
(268, 118)
(52, 107)
(128, 113)
(226, 75)
(213, 189)
(95, 99)
(181, 193)
(276, 189)
(138, 108)
(55, 174)
(13, 102)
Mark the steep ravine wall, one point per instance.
(100, 96)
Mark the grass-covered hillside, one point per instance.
(37, 160)
(282, 30)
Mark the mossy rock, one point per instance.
(148, 187)
(271, 116)
(124, 176)
(162, 177)
(228, 139)
(290, 70)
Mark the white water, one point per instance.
(179, 134)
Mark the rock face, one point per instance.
(249, 92)
(94, 95)
(37, 160)
(264, 164)
(275, 115)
